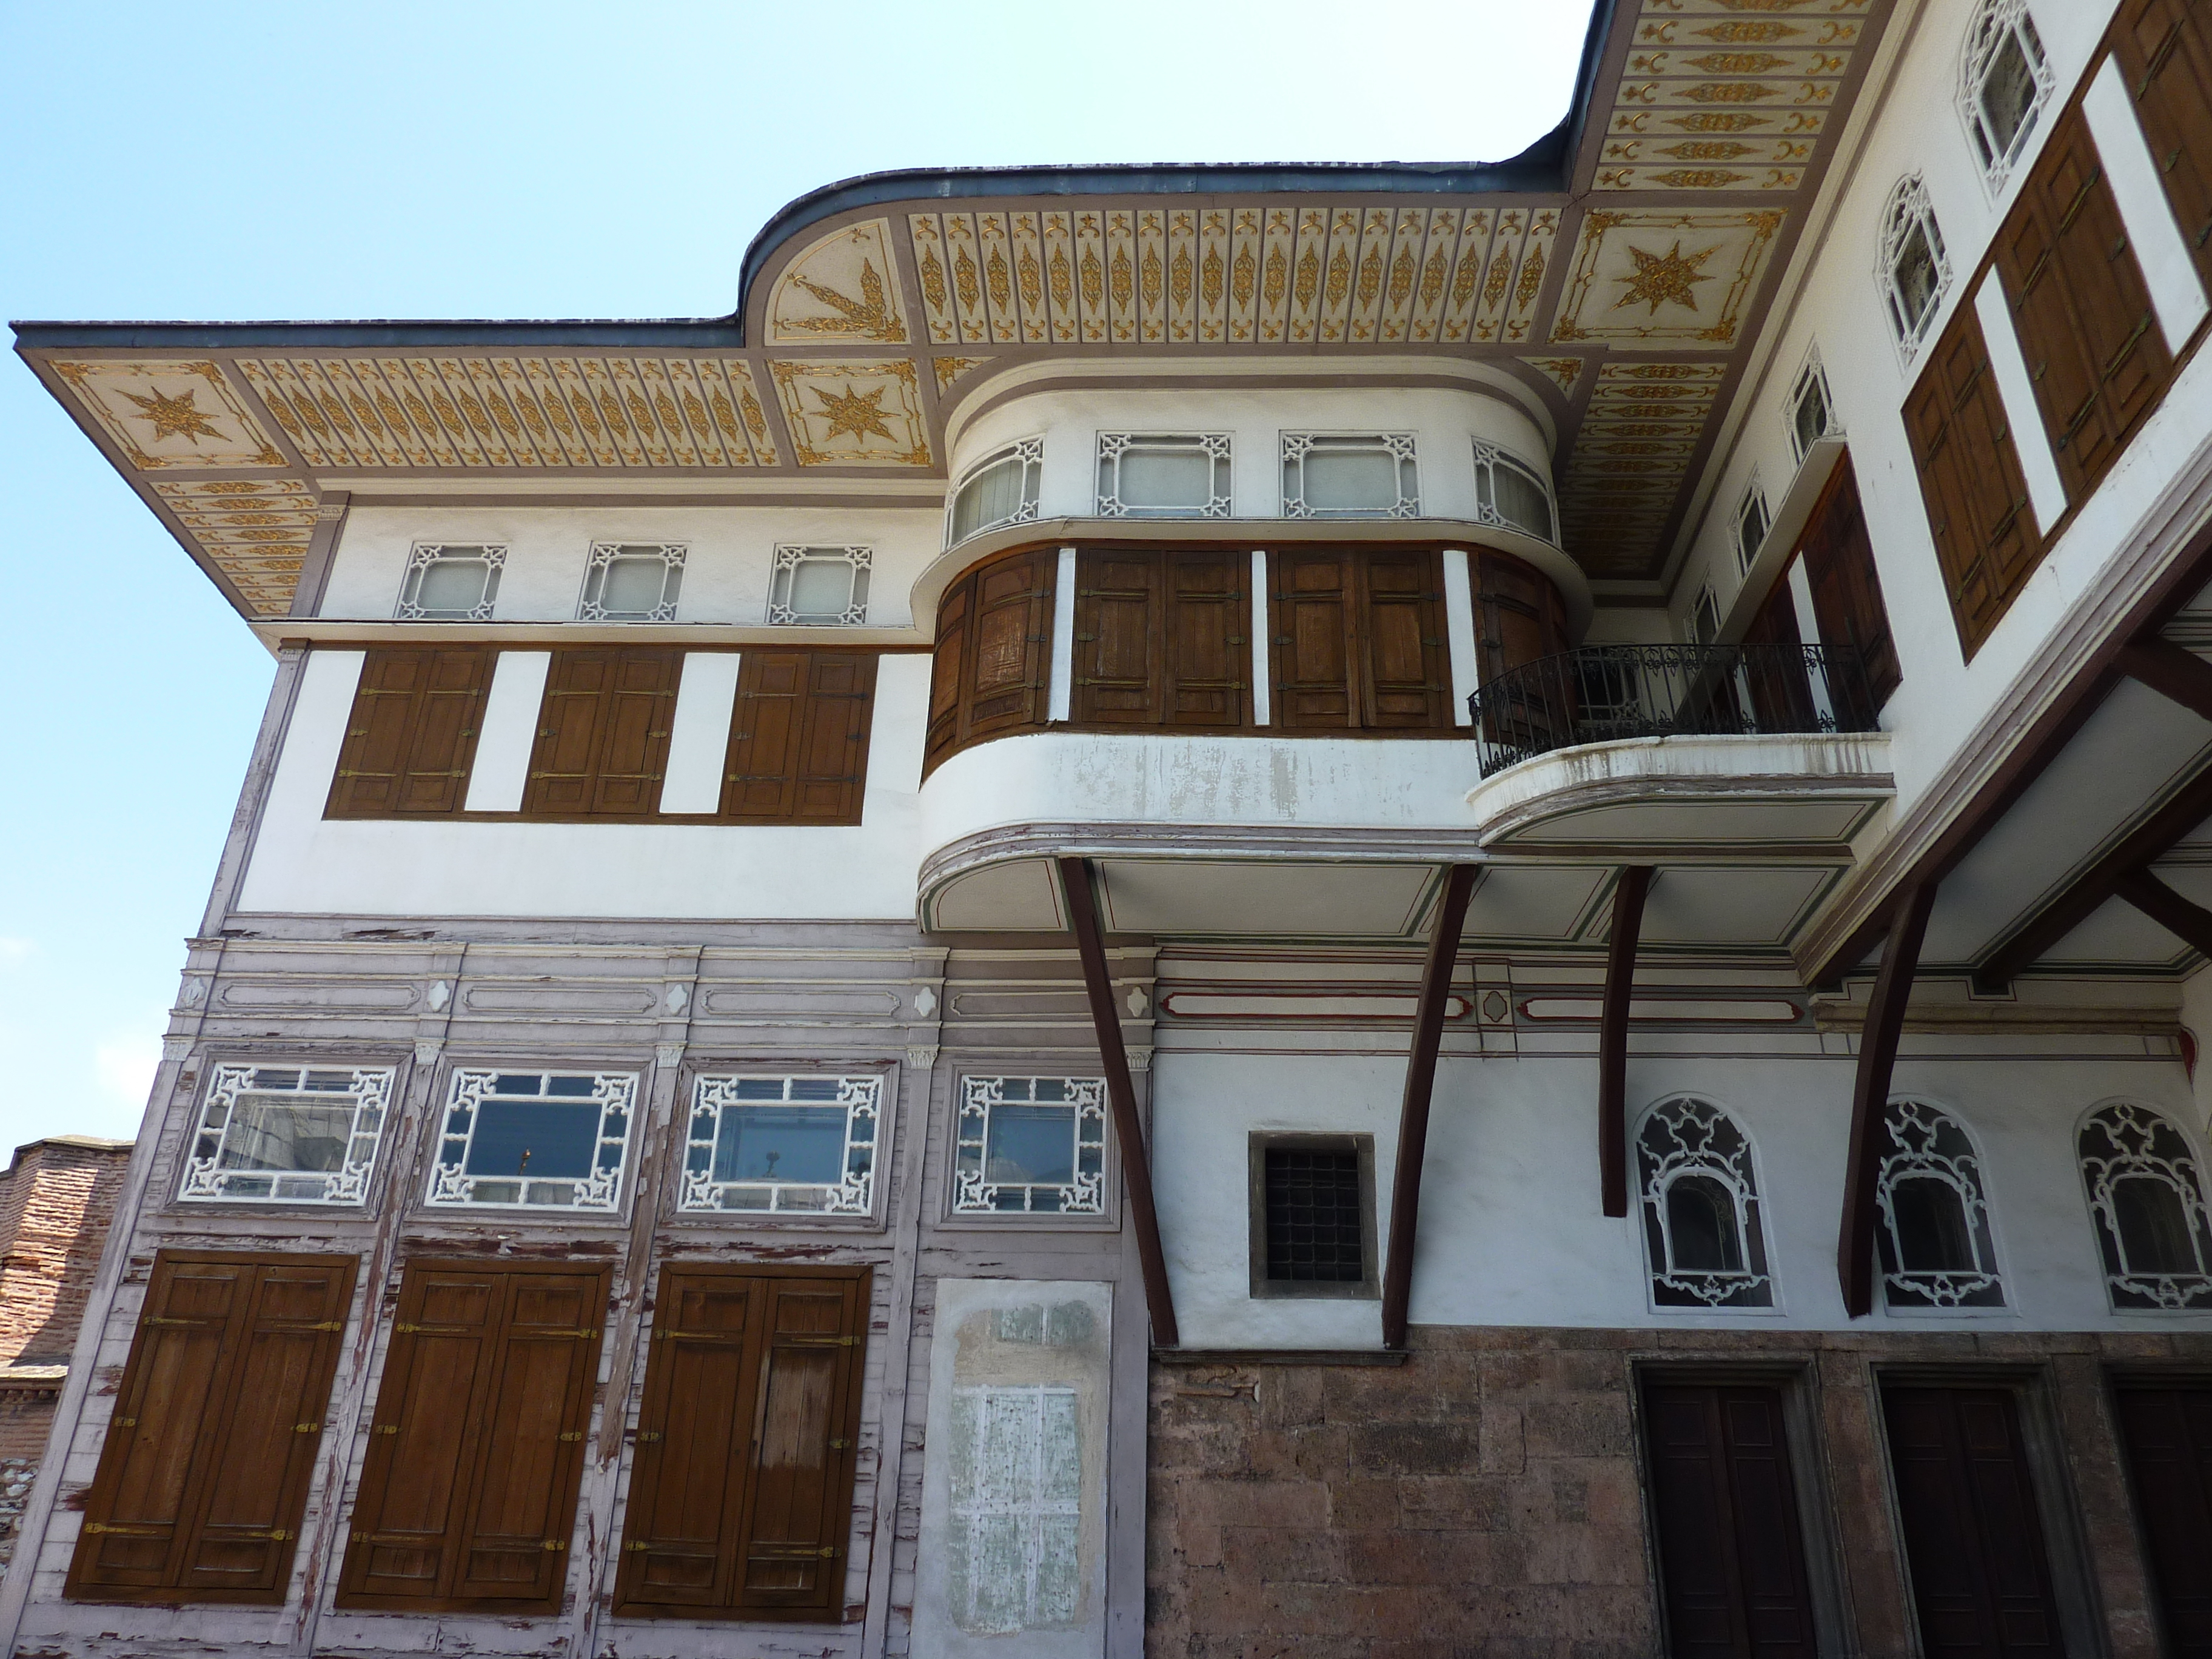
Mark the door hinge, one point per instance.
(571, 1435)
(840, 1445)
(635, 1548)
(102, 1528)
(386, 1428)
(588, 1334)
(645, 1436)
(819, 1342)
(554, 1546)
(306, 1428)
(338, 1324)
(156, 1319)
(122, 1422)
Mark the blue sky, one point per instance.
(462, 160)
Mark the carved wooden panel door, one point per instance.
(2168, 1434)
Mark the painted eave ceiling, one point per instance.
(1621, 268)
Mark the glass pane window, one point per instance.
(1812, 416)
(2147, 1198)
(2003, 83)
(1913, 267)
(534, 1139)
(1703, 1231)
(1000, 489)
(1031, 1145)
(630, 581)
(1327, 476)
(288, 1134)
(448, 582)
(1933, 1237)
(819, 587)
(1142, 475)
(1510, 493)
(1751, 525)
(783, 1144)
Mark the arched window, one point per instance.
(1935, 1242)
(2003, 83)
(1913, 268)
(2147, 1197)
(1701, 1221)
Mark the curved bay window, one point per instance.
(1002, 488)
(1935, 1242)
(1701, 1209)
(2147, 1197)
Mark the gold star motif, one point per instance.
(175, 418)
(1664, 276)
(861, 413)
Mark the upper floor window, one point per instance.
(2003, 83)
(288, 1134)
(784, 1145)
(1355, 475)
(630, 581)
(1002, 488)
(1812, 412)
(1705, 617)
(1153, 476)
(1752, 521)
(534, 1139)
(819, 587)
(1934, 1242)
(449, 582)
(1701, 1211)
(1508, 493)
(1914, 271)
(1035, 1145)
(2146, 1196)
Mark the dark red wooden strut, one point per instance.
(1885, 1022)
(1612, 1038)
(1413, 1112)
(1121, 1098)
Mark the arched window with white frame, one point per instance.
(2003, 83)
(1701, 1232)
(2146, 1197)
(1913, 268)
(1934, 1241)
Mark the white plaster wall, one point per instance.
(728, 556)
(473, 867)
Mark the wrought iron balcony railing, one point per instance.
(1605, 692)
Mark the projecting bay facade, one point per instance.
(1217, 910)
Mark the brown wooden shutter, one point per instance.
(1312, 656)
(798, 743)
(603, 732)
(833, 751)
(1005, 681)
(1120, 621)
(203, 1476)
(634, 754)
(1405, 678)
(1969, 481)
(1519, 615)
(468, 1491)
(946, 662)
(2168, 1433)
(2164, 49)
(1781, 690)
(568, 721)
(1208, 639)
(1847, 602)
(412, 735)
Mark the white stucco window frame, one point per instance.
(2146, 1145)
(597, 1195)
(973, 1199)
(1401, 446)
(368, 1088)
(423, 555)
(1995, 24)
(590, 601)
(857, 1199)
(1026, 453)
(1960, 1168)
(1909, 213)
(783, 581)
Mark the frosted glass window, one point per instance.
(1327, 476)
(1002, 489)
(1142, 475)
(1014, 1556)
(820, 586)
(288, 1134)
(778, 1144)
(632, 582)
(533, 1139)
(445, 582)
(1511, 494)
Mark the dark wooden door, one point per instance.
(1981, 1578)
(1160, 640)
(1731, 1554)
(1118, 624)
(2168, 1433)
(2164, 49)
(1847, 602)
(1010, 627)
(1206, 644)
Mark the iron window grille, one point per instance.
(449, 581)
(1314, 1215)
(1349, 475)
(631, 581)
(819, 587)
(999, 489)
(1510, 493)
(572, 1127)
(1751, 522)
(1912, 269)
(1812, 411)
(1162, 476)
(1935, 1242)
(1702, 1229)
(288, 1134)
(783, 1145)
(2003, 84)
(1034, 1145)
(1016, 1508)
(2146, 1196)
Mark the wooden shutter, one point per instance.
(2095, 353)
(987, 675)
(1162, 640)
(412, 732)
(1119, 622)
(946, 662)
(798, 743)
(1969, 481)
(1981, 1581)
(1312, 656)
(833, 751)
(603, 732)
(1731, 1559)
(2168, 1433)
(468, 1493)
(1781, 691)
(741, 1491)
(2164, 49)
(1519, 617)
(1207, 641)
(1847, 602)
(203, 1475)
(1406, 679)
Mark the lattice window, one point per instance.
(1702, 1225)
(288, 1134)
(1510, 492)
(2003, 84)
(1913, 268)
(1001, 488)
(819, 587)
(534, 1139)
(1162, 476)
(1016, 1463)
(1934, 1241)
(2147, 1197)
(631, 581)
(1359, 476)
(1751, 522)
(1033, 1145)
(448, 582)
(1812, 411)
(783, 1144)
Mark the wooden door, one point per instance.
(1724, 1507)
(1313, 602)
(411, 735)
(1847, 602)
(569, 722)
(2168, 1435)
(1781, 690)
(202, 1477)
(1981, 1579)
(1406, 677)
(2164, 49)
(1520, 623)
(947, 662)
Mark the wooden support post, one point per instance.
(2173, 672)
(1413, 1111)
(1612, 1038)
(1121, 1097)
(1885, 1022)
(2187, 921)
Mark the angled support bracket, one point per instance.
(1628, 896)
(1884, 1024)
